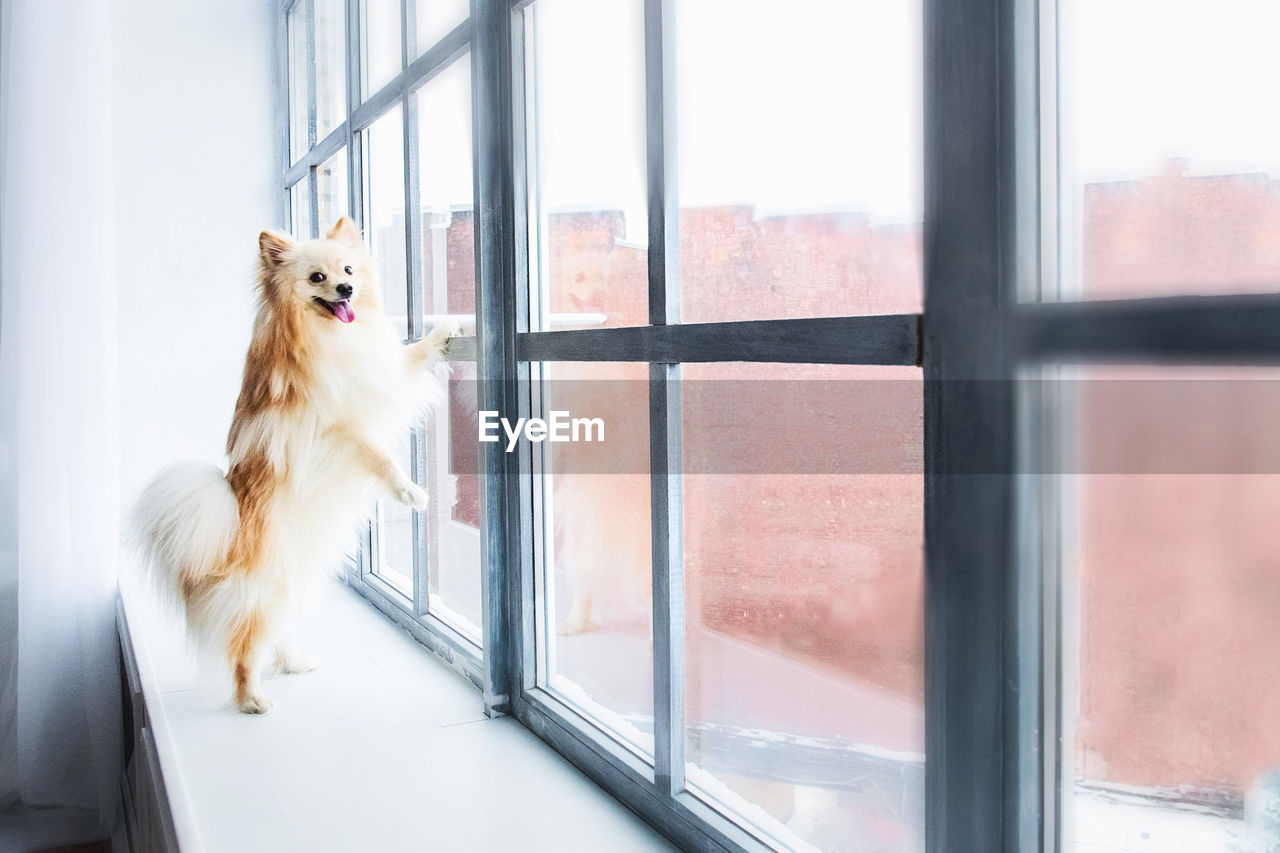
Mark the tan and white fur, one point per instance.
(328, 387)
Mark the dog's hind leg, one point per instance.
(243, 649)
(288, 660)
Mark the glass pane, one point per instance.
(384, 220)
(804, 600)
(380, 55)
(588, 228)
(448, 284)
(800, 158)
(1172, 663)
(595, 568)
(445, 193)
(435, 19)
(395, 532)
(1170, 158)
(331, 65)
(452, 465)
(300, 209)
(331, 181)
(298, 97)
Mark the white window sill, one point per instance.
(381, 749)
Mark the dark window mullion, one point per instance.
(660, 148)
(313, 202)
(664, 408)
(1026, 243)
(521, 589)
(412, 217)
(981, 722)
(1237, 329)
(413, 301)
(496, 323)
(355, 155)
(284, 105)
(310, 19)
(668, 577)
(408, 34)
(889, 339)
(881, 340)
(418, 453)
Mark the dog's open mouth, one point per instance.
(341, 309)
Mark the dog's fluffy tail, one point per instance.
(183, 526)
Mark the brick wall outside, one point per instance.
(1179, 576)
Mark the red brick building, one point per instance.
(1179, 576)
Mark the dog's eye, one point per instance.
(347, 270)
(317, 277)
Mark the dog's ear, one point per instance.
(345, 231)
(272, 246)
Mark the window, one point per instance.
(1169, 168)
(788, 207)
(733, 623)
(585, 156)
(894, 316)
(1153, 479)
(1160, 474)
(390, 146)
(804, 642)
(1168, 587)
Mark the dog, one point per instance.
(328, 387)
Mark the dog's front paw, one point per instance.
(435, 345)
(437, 341)
(254, 703)
(448, 328)
(411, 494)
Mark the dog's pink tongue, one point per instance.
(343, 311)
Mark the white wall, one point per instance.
(193, 135)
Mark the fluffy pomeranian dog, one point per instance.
(328, 387)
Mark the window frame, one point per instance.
(658, 792)
(993, 602)
(457, 649)
(1045, 336)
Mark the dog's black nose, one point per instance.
(344, 290)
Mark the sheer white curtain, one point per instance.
(60, 742)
